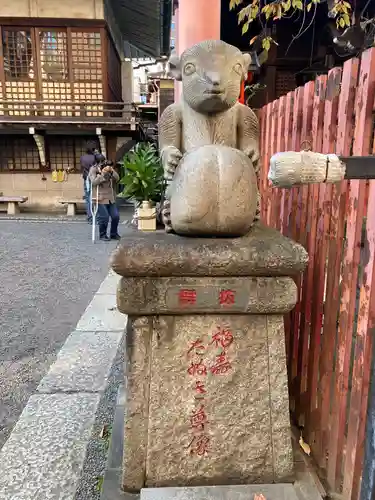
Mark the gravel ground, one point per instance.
(48, 275)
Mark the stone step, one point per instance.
(241, 492)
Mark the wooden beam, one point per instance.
(52, 22)
(70, 61)
(104, 63)
(2, 71)
(35, 41)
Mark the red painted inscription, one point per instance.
(197, 368)
(187, 297)
(227, 297)
(222, 364)
(199, 418)
(197, 348)
(199, 387)
(199, 445)
(222, 338)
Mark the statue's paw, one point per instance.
(169, 230)
(171, 157)
(166, 216)
(169, 173)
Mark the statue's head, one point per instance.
(211, 73)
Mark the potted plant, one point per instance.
(142, 179)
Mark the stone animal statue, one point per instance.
(209, 145)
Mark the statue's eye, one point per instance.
(238, 69)
(189, 69)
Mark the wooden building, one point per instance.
(61, 84)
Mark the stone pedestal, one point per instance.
(207, 396)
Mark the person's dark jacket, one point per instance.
(87, 161)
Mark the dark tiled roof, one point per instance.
(145, 24)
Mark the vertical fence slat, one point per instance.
(287, 135)
(343, 146)
(318, 387)
(309, 398)
(301, 237)
(361, 367)
(295, 146)
(328, 337)
(262, 171)
(280, 146)
(364, 347)
(267, 146)
(289, 102)
(272, 205)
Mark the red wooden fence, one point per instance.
(329, 333)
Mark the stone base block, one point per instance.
(13, 208)
(243, 492)
(71, 210)
(207, 394)
(207, 401)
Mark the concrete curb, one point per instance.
(44, 455)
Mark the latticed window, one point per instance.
(86, 56)
(19, 70)
(18, 54)
(285, 82)
(57, 72)
(18, 153)
(87, 67)
(53, 55)
(65, 151)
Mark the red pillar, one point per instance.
(196, 20)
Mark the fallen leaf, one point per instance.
(104, 431)
(306, 448)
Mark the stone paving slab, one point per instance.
(102, 315)
(83, 364)
(242, 492)
(109, 285)
(49, 274)
(43, 457)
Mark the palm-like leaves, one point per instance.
(142, 174)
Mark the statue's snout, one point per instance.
(214, 78)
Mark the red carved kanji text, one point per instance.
(197, 347)
(187, 297)
(227, 297)
(197, 368)
(222, 365)
(199, 418)
(199, 387)
(222, 338)
(199, 445)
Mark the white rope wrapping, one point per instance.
(294, 168)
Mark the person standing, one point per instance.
(87, 161)
(103, 178)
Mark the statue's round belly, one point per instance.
(214, 192)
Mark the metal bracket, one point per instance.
(359, 167)
(103, 143)
(40, 144)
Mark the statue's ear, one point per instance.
(175, 67)
(246, 64)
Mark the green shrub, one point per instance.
(142, 174)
